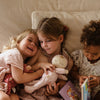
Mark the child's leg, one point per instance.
(14, 97)
(4, 96)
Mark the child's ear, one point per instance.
(61, 38)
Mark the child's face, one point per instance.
(28, 46)
(52, 45)
(92, 52)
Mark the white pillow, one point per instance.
(74, 20)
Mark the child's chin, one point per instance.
(49, 53)
(93, 61)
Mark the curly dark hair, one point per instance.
(91, 34)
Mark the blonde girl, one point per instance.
(12, 61)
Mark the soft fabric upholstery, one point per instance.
(15, 16)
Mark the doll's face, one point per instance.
(92, 52)
(59, 61)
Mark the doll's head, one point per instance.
(59, 61)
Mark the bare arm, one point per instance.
(20, 77)
(39, 61)
(42, 62)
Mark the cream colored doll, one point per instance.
(60, 62)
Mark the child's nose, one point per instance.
(44, 44)
(32, 43)
(90, 57)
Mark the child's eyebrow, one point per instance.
(94, 53)
(30, 37)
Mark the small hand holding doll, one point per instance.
(60, 62)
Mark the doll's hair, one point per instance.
(52, 27)
(15, 40)
(91, 34)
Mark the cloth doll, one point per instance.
(60, 62)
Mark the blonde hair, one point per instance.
(14, 40)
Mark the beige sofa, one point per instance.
(18, 15)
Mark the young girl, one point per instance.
(12, 61)
(51, 33)
(87, 59)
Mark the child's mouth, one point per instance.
(93, 61)
(30, 49)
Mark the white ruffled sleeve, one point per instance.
(14, 58)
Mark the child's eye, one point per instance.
(86, 51)
(48, 40)
(95, 54)
(41, 41)
(30, 40)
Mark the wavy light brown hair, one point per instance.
(52, 27)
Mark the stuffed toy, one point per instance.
(10, 83)
(60, 62)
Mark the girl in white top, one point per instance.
(12, 61)
(87, 60)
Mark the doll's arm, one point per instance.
(51, 77)
(62, 77)
(61, 71)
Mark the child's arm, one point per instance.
(42, 62)
(44, 65)
(20, 77)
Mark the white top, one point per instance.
(12, 57)
(85, 67)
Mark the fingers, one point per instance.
(52, 90)
(49, 67)
(93, 81)
(82, 79)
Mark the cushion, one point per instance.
(74, 20)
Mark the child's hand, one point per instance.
(52, 90)
(94, 81)
(47, 66)
(82, 79)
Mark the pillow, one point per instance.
(74, 20)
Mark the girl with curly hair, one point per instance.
(87, 60)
